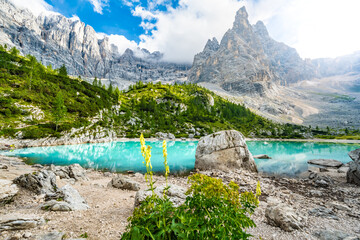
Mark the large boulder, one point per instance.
(124, 183)
(7, 191)
(281, 215)
(42, 182)
(353, 174)
(66, 198)
(19, 222)
(224, 150)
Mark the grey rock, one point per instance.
(54, 205)
(42, 182)
(262, 156)
(74, 171)
(19, 222)
(175, 193)
(69, 198)
(343, 169)
(224, 150)
(122, 182)
(331, 235)
(162, 135)
(323, 212)
(281, 215)
(355, 155)
(37, 166)
(353, 174)
(51, 236)
(326, 162)
(8, 191)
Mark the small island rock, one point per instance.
(326, 163)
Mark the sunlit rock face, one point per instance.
(56, 40)
(248, 61)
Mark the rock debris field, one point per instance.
(53, 202)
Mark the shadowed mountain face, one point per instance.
(248, 61)
(57, 40)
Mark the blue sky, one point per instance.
(115, 16)
(180, 28)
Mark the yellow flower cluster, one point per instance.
(146, 153)
(167, 169)
(258, 191)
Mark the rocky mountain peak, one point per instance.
(212, 45)
(261, 29)
(241, 23)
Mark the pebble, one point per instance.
(27, 235)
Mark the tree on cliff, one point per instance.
(63, 71)
(59, 109)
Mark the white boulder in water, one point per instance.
(224, 150)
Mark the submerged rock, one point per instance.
(262, 156)
(224, 150)
(19, 222)
(43, 182)
(122, 182)
(281, 215)
(7, 191)
(353, 174)
(326, 162)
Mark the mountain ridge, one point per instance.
(57, 40)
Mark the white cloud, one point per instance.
(121, 42)
(37, 7)
(130, 3)
(321, 28)
(98, 5)
(182, 32)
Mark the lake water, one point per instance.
(288, 158)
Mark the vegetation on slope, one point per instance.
(37, 101)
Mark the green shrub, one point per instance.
(212, 210)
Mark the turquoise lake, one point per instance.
(289, 158)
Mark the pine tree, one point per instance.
(63, 71)
(59, 109)
(32, 64)
(95, 82)
(110, 89)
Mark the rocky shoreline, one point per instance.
(289, 208)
